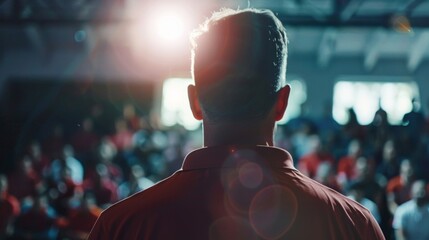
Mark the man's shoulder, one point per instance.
(328, 199)
(143, 202)
(329, 209)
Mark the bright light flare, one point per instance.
(169, 27)
(158, 34)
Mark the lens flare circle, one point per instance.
(273, 211)
(250, 175)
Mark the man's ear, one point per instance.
(282, 101)
(194, 103)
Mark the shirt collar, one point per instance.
(232, 156)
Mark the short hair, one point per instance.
(239, 62)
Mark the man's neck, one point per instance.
(244, 133)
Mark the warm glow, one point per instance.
(169, 27)
(162, 31)
(175, 105)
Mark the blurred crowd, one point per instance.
(61, 182)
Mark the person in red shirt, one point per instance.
(123, 137)
(104, 189)
(80, 220)
(309, 163)
(24, 181)
(41, 162)
(130, 116)
(36, 222)
(238, 186)
(399, 188)
(9, 209)
(61, 191)
(347, 164)
(85, 140)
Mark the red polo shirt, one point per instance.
(237, 193)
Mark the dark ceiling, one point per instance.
(57, 30)
(292, 12)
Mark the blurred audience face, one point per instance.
(355, 148)
(87, 125)
(406, 170)
(121, 125)
(419, 191)
(67, 151)
(364, 168)
(324, 172)
(129, 111)
(389, 152)
(35, 149)
(3, 185)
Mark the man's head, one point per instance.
(419, 191)
(406, 170)
(238, 65)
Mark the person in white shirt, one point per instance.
(411, 219)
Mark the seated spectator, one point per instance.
(327, 127)
(352, 129)
(54, 144)
(399, 188)
(80, 220)
(41, 162)
(414, 120)
(25, 178)
(130, 116)
(9, 209)
(388, 164)
(366, 176)
(37, 222)
(326, 175)
(67, 159)
(412, 217)
(61, 191)
(106, 153)
(123, 137)
(309, 163)
(104, 189)
(356, 191)
(302, 138)
(85, 139)
(346, 165)
(137, 182)
(379, 129)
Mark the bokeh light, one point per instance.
(158, 35)
(250, 175)
(273, 211)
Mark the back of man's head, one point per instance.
(239, 64)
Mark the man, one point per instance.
(238, 186)
(411, 218)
